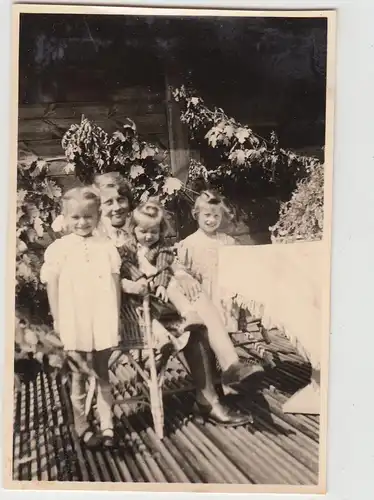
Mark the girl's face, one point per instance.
(114, 206)
(209, 217)
(147, 234)
(82, 217)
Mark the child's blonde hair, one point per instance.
(81, 194)
(153, 213)
(212, 198)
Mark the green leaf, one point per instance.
(238, 156)
(242, 134)
(129, 124)
(21, 246)
(24, 271)
(21, 195)
(40, 167)
(69, 168)
(30, 337)
(32, 210)
(172, 185)
(52, 190)
(119, 136)
(39, 227)
(136, 171)
(147, 151)
(32, 235)
(229, 130)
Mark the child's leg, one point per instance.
(218, 337)
(208, 315)
(183, 305)
(78, 400)
(178, 298)
(104, 392)
(234, 371)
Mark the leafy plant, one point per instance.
(245, 164)
(245, 158)
(301, 218)
(90, 151)
(38, 199)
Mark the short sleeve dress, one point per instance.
(87, 296)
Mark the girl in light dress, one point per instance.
(198, 253)
(81, 271)
(145, 255)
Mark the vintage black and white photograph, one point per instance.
(170, 249)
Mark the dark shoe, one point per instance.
(166, 352)
(238, 372)
(107, 438)
(220, 414)
(90, 439)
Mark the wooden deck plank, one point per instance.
(275, 449)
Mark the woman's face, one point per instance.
(114, 206)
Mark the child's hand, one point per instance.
(190, 286)
(162, 294)
(141, 287)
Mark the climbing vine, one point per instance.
(244, 156)
(38, 199)
(301, 218)
(90, 151)
(251, 166)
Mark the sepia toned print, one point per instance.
(169, 249)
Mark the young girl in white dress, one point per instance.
(81, 271)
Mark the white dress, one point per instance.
(87, 297)
(199, 253)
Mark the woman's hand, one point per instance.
(190, 286)
(162, 294)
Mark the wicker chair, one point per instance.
(148, 368)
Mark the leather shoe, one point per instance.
(220, 414)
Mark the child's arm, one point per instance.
(117, 284)
(182, 271)
(129, 268)
(52, 292)
(138, 287)
(50, 273)
(122, 267)
(165, 259)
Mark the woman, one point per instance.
(116, 204)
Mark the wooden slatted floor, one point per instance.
(275, 449)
